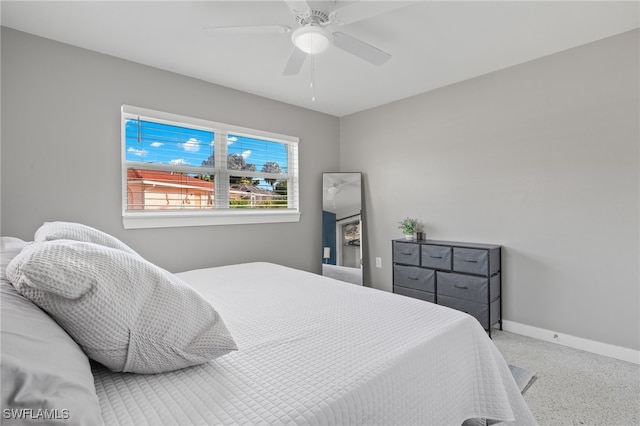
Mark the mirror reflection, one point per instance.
(342, 226)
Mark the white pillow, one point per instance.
(50, 231)
(124, 312)
(9, 248)
(42, 367)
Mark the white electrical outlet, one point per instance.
(378, 262)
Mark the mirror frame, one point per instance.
(343, 226)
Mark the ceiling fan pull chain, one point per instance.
(312, 85)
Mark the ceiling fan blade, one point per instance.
(360, 10)
(333, 180)
(360, 49)
(298, 7)
(248, 29)
(296, 59)
(337, 4)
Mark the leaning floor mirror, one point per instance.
(342, 241)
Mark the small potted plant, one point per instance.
(409, 227)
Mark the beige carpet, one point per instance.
(574, 387)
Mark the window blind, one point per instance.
(174, 164)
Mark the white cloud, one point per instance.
(192, 145)
(246, 154)
(231, 139)
(138, 152)
(179, 162)
(156, 144)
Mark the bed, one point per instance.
(307, 349)
(343, 273)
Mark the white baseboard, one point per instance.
(606, 349)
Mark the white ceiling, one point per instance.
(433, 44)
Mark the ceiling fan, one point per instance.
(315, 20)
(334, 185)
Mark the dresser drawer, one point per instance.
(478, 310)
(437, 257)
(414, 277)
(472, 261)
(416, 294)
(468, 287)
(406, 253)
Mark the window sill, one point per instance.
(181, 219)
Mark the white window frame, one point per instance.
(217, 216)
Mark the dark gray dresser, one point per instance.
(462, 276)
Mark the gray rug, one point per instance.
(523, 377)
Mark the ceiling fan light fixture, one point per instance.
(311, 39)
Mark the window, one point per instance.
(182, 171)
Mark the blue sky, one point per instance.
(151, 142)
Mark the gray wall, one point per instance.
(541, 158)
(61, 152)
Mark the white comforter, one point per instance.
(313, 350)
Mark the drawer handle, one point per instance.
(406, 253)
(462, 287)
(435, 257)
(471, 261)
(413, 278)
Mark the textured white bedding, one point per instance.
(313, 350)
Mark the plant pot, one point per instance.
(408, 237)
